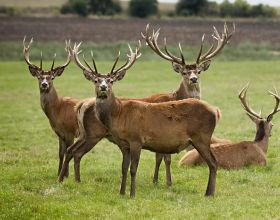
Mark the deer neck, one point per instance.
(49, 101)
(262, 138)
(106, 108)
(185, 91)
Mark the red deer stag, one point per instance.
(244, 153)
(166, 128)
(189, 86)
(59, 110)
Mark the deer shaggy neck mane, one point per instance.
(187, 91)
(260, 132)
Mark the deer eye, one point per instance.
(96, 81)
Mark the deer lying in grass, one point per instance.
(188, 88)
(59, 110)
(167, 127)
(190, 85)
(244, 153)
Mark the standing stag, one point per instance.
(188, 88)
(244, 153)
(166, 128)
(59, 110)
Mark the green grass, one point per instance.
(103, 51)
(29, 151)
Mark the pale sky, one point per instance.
(252, 2)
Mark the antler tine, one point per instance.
(181, 53)
(26, 51)
(69, 55)
(277, 100)
(153, 44)
(147, 38)
(93, 61)
(132, 57)
(138, 49)
(53, 61)
(200, 50)
(91, 70)
(76, 52)
(222, 40)
(156, 47)
(242, 97)
(168, 56)
(41, 61)
(115, 63)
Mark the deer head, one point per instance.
(45, 77)
(263, 123)
(190, 72)
(103, 82)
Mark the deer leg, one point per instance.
(135, 151)
(125, 165)
(167, 161)
(68, 143)
(68, 157)
(159, 158)
(65, 167)
(61, 153)
(209, 158)
(85, 147)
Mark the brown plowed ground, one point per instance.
(188, 31)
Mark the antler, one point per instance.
(276, 109)
(153, 44)
(26, 54)
(76, 52)
(27, 60)
(132, 57)
(242, 97)
(221, 41)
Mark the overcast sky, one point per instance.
(253, 2)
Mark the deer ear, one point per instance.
(57, 71)
(88, 75)
(204, 66)
(33, 70)
(177, 67)
(120, 75)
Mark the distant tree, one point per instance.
(261, 10)
(190, 7)
(143, 8)
(79, 7)
(226, 9)
(241, 8)
(211, 9)
(105, 7)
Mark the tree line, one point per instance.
(145, 8)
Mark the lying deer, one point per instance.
(188, 88)
(244, 153)
(59, 110)
(166, 128)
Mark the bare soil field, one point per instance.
(186, 31)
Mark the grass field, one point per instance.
(29, 151)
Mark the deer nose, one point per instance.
(103, 88)
(193, 79)
(44, 84)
